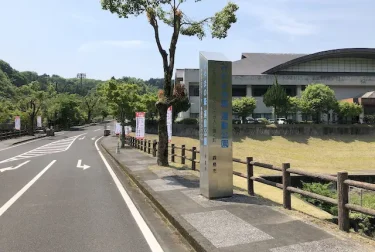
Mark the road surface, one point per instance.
(61, 194)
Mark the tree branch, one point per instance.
(176, 32)
(154, 24)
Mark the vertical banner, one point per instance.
(215, 129)
(127, 130)
(39, 122)
(140, 125)
(17, 123)
(169, 124)
(118, 129)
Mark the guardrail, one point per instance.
(12, 134)
(341, 179)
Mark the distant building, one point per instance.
(349, 72)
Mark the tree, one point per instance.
(244, 107)
(30, 101)
(149, 100)
(292, 106)
(169, 13)
(90, 101)
(6, 108)
(318, 99)
(183, 104)
(276, 97)
(124, 101)
(349, 110)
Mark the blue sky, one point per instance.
(65, 37)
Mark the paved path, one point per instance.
(62, 194)
(240, 223)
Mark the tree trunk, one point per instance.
(123, 135)
(88, 116)
(31, 129)
(163, 136)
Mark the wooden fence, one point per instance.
(341, 179)
(12, 134)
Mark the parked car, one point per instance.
(281, 121)
(272, 121)
(262, 121)
(249, 120)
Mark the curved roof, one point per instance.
(337, 53)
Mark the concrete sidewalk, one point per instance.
(13, 141)
(240, 223)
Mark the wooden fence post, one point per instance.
(343, 199)
(287, 200)
(154, 143)
(193, 157)
(183, 154)
(145, 145)
(149, 146)
(250, 173)
(172, 153)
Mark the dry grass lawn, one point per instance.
(322, 155)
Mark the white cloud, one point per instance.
(102, 44)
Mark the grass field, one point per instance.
(322, 155)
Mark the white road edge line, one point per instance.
(149, 236)
(24, 189)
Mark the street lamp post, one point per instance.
(81, 76)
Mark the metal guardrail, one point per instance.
(341, 179)
(12, 134)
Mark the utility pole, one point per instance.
(80, 76)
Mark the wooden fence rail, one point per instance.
(341, 179)
(12, 134)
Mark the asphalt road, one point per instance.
(61, 194)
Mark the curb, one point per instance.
(162, 206)
(27, 140)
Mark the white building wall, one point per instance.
(344, 86)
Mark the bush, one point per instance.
(359, 222)
(263, 121)
(188, 121)
(324, 190)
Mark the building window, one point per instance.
(303, 87)
(179, 80)
(238, 91)
(259, 91)
(291, 90)
(194, 115)
(267, 116)
(193, 90)
(257, 115)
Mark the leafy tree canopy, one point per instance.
(244, 106)
(276, 97)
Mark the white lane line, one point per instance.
(93, 138)
(97, 130)
(10, 202)
(149, 236)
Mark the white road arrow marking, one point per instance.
(82, 138)
(93, 138)
(79, 165)
(14, 168)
